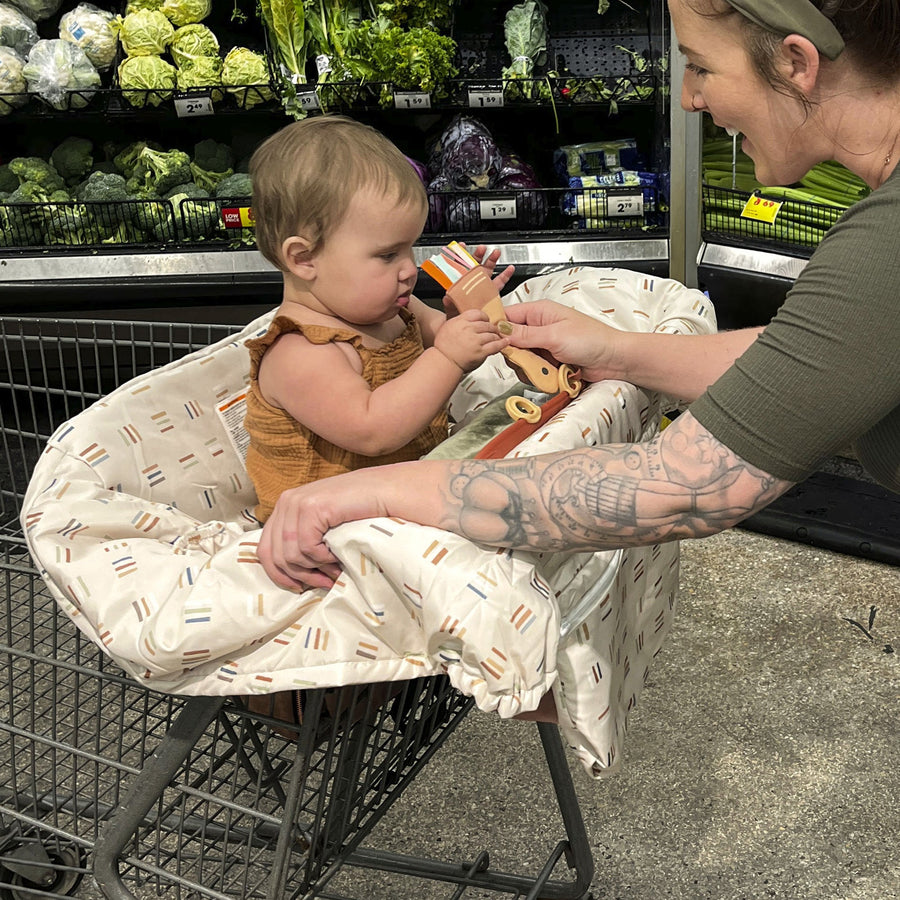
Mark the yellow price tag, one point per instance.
(761, 209)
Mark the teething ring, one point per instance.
(522, 408)
(569, 381)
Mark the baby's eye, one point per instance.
(388, 257)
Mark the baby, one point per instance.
(354, 370)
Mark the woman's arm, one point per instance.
(682, 484)
(682, 366)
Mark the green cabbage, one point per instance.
(205, 72)
(247, 73)
(91, 29)
(186, 12)
(135, 5)
(193, 42)
(146, 80)
(12, 81)
(61, 74)
(146, 32)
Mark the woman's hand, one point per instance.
(565, 335)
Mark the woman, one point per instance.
(803, 82)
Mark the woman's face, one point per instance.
(720, 79)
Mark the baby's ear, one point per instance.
(299, 257)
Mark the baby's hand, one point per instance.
(469, 339)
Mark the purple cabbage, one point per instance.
(531, 205)
(467, 155)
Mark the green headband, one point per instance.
(794, 17)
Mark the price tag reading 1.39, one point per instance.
(497, 208)
(412, 100)
(761, 210)
(626, 206)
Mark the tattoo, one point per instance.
(682, 484)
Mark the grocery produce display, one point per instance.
(481, 97)
(794, 218)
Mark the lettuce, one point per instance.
(146, 32)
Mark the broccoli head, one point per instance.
(188, 189)
(195, 219)
(156, 219)
(36, 171)
(18, 230)
(103, 186)
(127, 158)
(234, 187)
(9, 181)
(163, 169)
(73, 158)
(71, 224)
(207, 178)
(213, 155)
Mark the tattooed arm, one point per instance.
(682, 484)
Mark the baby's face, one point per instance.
(365, 270)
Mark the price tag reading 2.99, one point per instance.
(412, 100)
(626, 206)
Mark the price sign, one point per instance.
(189, 105)
(238, 217)
(486, 96)
(761, 210)
(625, 205)
(307, 97)
(412, 100)
(497, 208)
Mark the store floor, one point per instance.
(763, 760)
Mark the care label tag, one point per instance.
(231, 413)
(626, 206)
(412, 100)
(189, 105)
(761, 210)
(497, 208)
(238, 217)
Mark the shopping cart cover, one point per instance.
(139, 517)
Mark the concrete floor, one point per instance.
(763, 760)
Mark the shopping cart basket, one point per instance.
(199, 796)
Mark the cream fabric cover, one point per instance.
(139, 517)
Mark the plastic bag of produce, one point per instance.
(91, 28)
(466, 155)
(146, 80)
(13, 87)
(38, 10)
(61, 74)
(146, 32)
(17, 31)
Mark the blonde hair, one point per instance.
(305, 175)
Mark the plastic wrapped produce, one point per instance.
(61, 74)
(531, 205)
(466, 154)
(91, 28)
(17, 31)
(13, 87)
(38, 10)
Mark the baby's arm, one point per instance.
(320, 385)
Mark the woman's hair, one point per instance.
(870, 29)
(305, 175)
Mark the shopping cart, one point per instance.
(164, 795)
